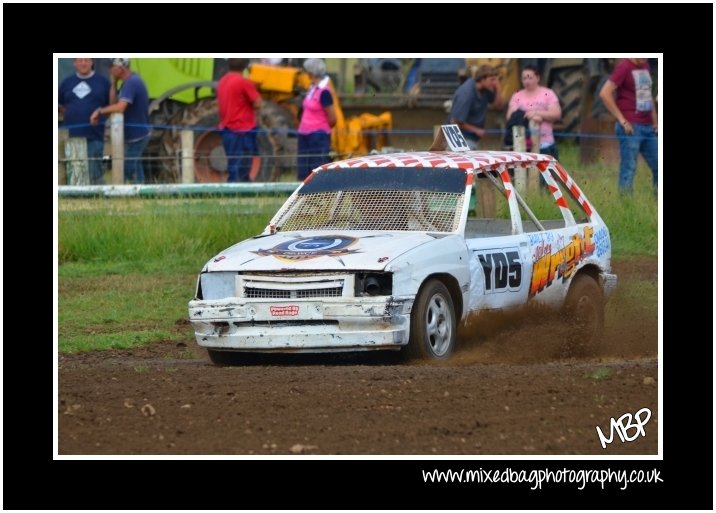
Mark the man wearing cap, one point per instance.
(132, 100)
(471, 100)
(79, 96)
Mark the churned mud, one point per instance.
(512, 392)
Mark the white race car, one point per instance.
(379, 252)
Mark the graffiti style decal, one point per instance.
(549, 266)
(502, 269)
(305, 248)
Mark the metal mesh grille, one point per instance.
(291, 287)
(374, 210)
(266, 293)
(251, 292)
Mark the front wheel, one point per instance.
(432, 323)
(584, 313)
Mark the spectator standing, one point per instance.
(79, 96)
(319, 116)
(471, 101)
(133, 101)
(238, 101)
(540, 104)
(627, 95)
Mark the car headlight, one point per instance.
(218, 285)
(373, 284)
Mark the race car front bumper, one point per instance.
(326, 325)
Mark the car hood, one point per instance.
(318, 250)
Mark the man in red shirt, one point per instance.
(238, 102)
(627, 95)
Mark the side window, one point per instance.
(571, 194)
(489, 211)
(542, 204)
(547, 208)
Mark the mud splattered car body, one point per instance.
(379, 252)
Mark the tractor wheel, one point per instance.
(570, 85)
(157, 167)
(280, 126)
(210, 163)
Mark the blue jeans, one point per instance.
(313, 151)
(133, 168)
(643, 141)
(240, 148)
(95, 151)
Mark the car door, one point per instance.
(500, 270)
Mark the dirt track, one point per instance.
(513, 393)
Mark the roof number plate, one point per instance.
(454, 138)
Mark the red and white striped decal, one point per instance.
(478, 161)
(506, 182)
(574, 189)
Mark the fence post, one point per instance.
(187, 156)
(486, 204)
(62, 135)
(533, 173)
(519, 144)
(116, 137)
(76, 161)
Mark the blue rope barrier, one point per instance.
(294, 132)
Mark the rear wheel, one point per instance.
(584, 314)
(432, 323)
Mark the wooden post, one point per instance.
(519, 144)
(486, 205)
(534, 135)
(518, 138)
(533, 172)
(187, 156)
(76, 155)
(62, 135)
(116, 137)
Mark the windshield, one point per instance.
(394, 199)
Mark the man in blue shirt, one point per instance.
(133, 101)
(471, 100)
(79, 96)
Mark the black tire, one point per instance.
(584, 315)
(433, 327)
(158, 168)
(279, 124)
(598, 107)
(570, 86)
